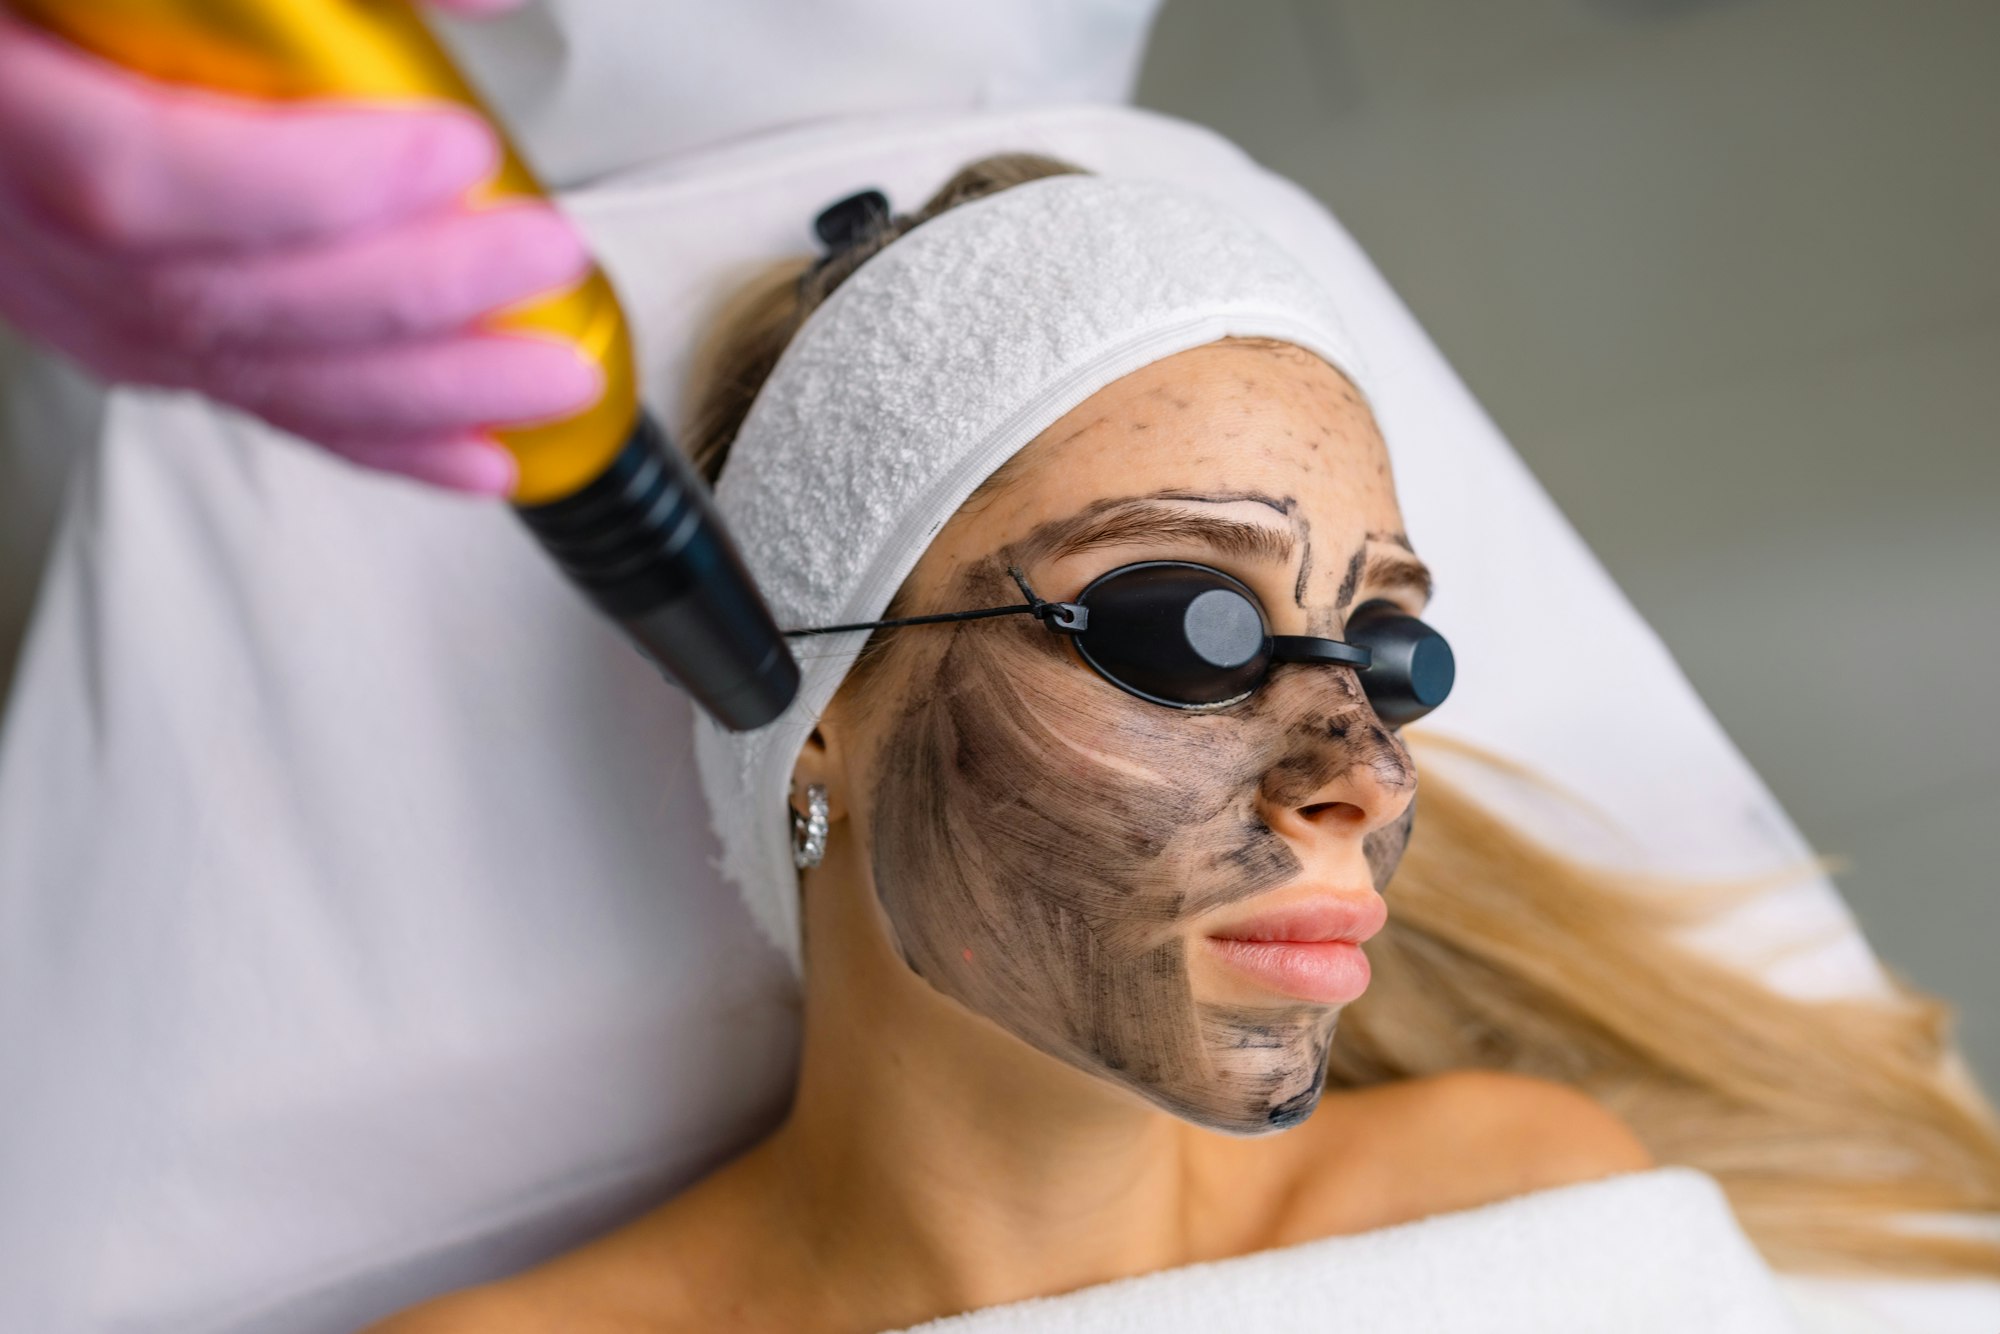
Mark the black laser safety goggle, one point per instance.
(1188, 636)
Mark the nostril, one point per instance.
(1342, 811)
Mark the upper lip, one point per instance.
(1316, 918)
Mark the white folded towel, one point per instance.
(1647, 1251)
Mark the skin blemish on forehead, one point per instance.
(1085, 429)
(1166, 395)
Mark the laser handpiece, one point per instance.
(605, 492)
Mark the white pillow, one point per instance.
(358, 936)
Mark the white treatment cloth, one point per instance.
(1654, 1252)
(592, 86)
(932, 365)
(358, 936)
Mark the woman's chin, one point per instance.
(1260, 1079)
(1229, 1116)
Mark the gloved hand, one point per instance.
(311, 264)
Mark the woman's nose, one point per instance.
(1349, 776)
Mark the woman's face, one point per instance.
(1060, 856)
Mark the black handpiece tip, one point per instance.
(644, 542)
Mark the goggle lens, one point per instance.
(1182, 635)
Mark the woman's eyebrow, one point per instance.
(1126, 522)
(1394, 569)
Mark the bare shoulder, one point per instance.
(633, 1280)
(585, 1292)
(1535, 1133)
(690, 1263)
(496, 1309)
(1392, 1153)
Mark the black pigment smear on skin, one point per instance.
(1037, 835)
(1349, 581)
(1384, 847)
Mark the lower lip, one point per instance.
(1332, 972)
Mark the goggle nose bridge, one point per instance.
(1309, 648)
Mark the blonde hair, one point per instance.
(1829, 1123)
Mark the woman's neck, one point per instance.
(935, 1163)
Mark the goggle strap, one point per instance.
(1065, 617)
(1307, 648)
(981, 614)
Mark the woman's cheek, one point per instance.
(1385, 847)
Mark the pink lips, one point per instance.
(1309, 950)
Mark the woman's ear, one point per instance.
(820, 762)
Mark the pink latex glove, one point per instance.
(312, 264)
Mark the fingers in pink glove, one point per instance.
(152, 322)
(469, 461)
(414, 390)
(140, 165)
(32, 299)
(421, 280)
(476, 464)
(426, 278)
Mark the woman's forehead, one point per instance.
(1247, 433)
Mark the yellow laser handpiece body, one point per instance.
(607, 494)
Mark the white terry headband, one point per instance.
(929, 367)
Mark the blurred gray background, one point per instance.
(1725, 273)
